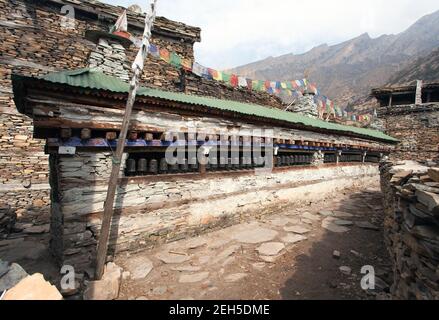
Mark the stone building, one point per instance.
(68, 92)
(416, 125)
(36, 37)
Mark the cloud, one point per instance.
(236, 32)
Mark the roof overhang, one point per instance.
(27, 87)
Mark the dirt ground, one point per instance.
(297, 260)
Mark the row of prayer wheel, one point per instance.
(292, 160)
(145, 166)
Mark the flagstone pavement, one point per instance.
(293, 253)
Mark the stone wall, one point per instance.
(153, 210)
(416, 127)
(33, 42)
(411, 202)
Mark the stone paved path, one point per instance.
(286, 255)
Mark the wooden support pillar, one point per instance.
(390, 100)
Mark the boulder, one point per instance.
(433, 173)
(108, 287)
(12, 276)
(33, 288)
(430, 200)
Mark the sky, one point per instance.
(237, 32)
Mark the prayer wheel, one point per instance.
(163, 166)
(142, 166)
(131, 167)
(184, 167)
(153, 167)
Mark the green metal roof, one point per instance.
(94, 79)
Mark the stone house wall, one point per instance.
(25, 51)
(411, 224)
(417, 127)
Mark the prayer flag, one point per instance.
(154, 50)
(175, 60)
(225, 77)
(186, 64)
(242, 82)
(165, 55)
(234, 80)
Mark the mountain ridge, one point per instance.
(347, 71)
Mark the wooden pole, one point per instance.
(117, 157)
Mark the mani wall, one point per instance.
(411, 225)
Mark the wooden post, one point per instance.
(117, 157)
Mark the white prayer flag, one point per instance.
(121, 23)
(242, 82)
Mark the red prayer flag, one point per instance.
(234, 80)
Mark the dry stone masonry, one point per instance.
(417, 127)
(411, 192)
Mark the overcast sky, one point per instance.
(236, 32)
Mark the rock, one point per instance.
(224, 254)
(270, 259)
(108, 287)
(159, 291)
(310, 216)
(142, 298)
(297, 230)
(258, 266)
(4, 268)
(126, 275)
(139, 267)
(33, 288)
(270, 248)
(381, 285)
(326, 213)
(345, 270)
(192, 278)
(172, 258)
(336, 254)
(342, 214)
(307, 221)
(38, 203)
(235, 277)
(355, 253)
(366, 225)
(186, 269)
(433, 173)
(293, 238)
(280, 222)
(255, 235)
(329, 225)
(38, 229)
(345, 223)
(12, 277)
(430, 200)
(195, 243)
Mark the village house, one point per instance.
(411, 114)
